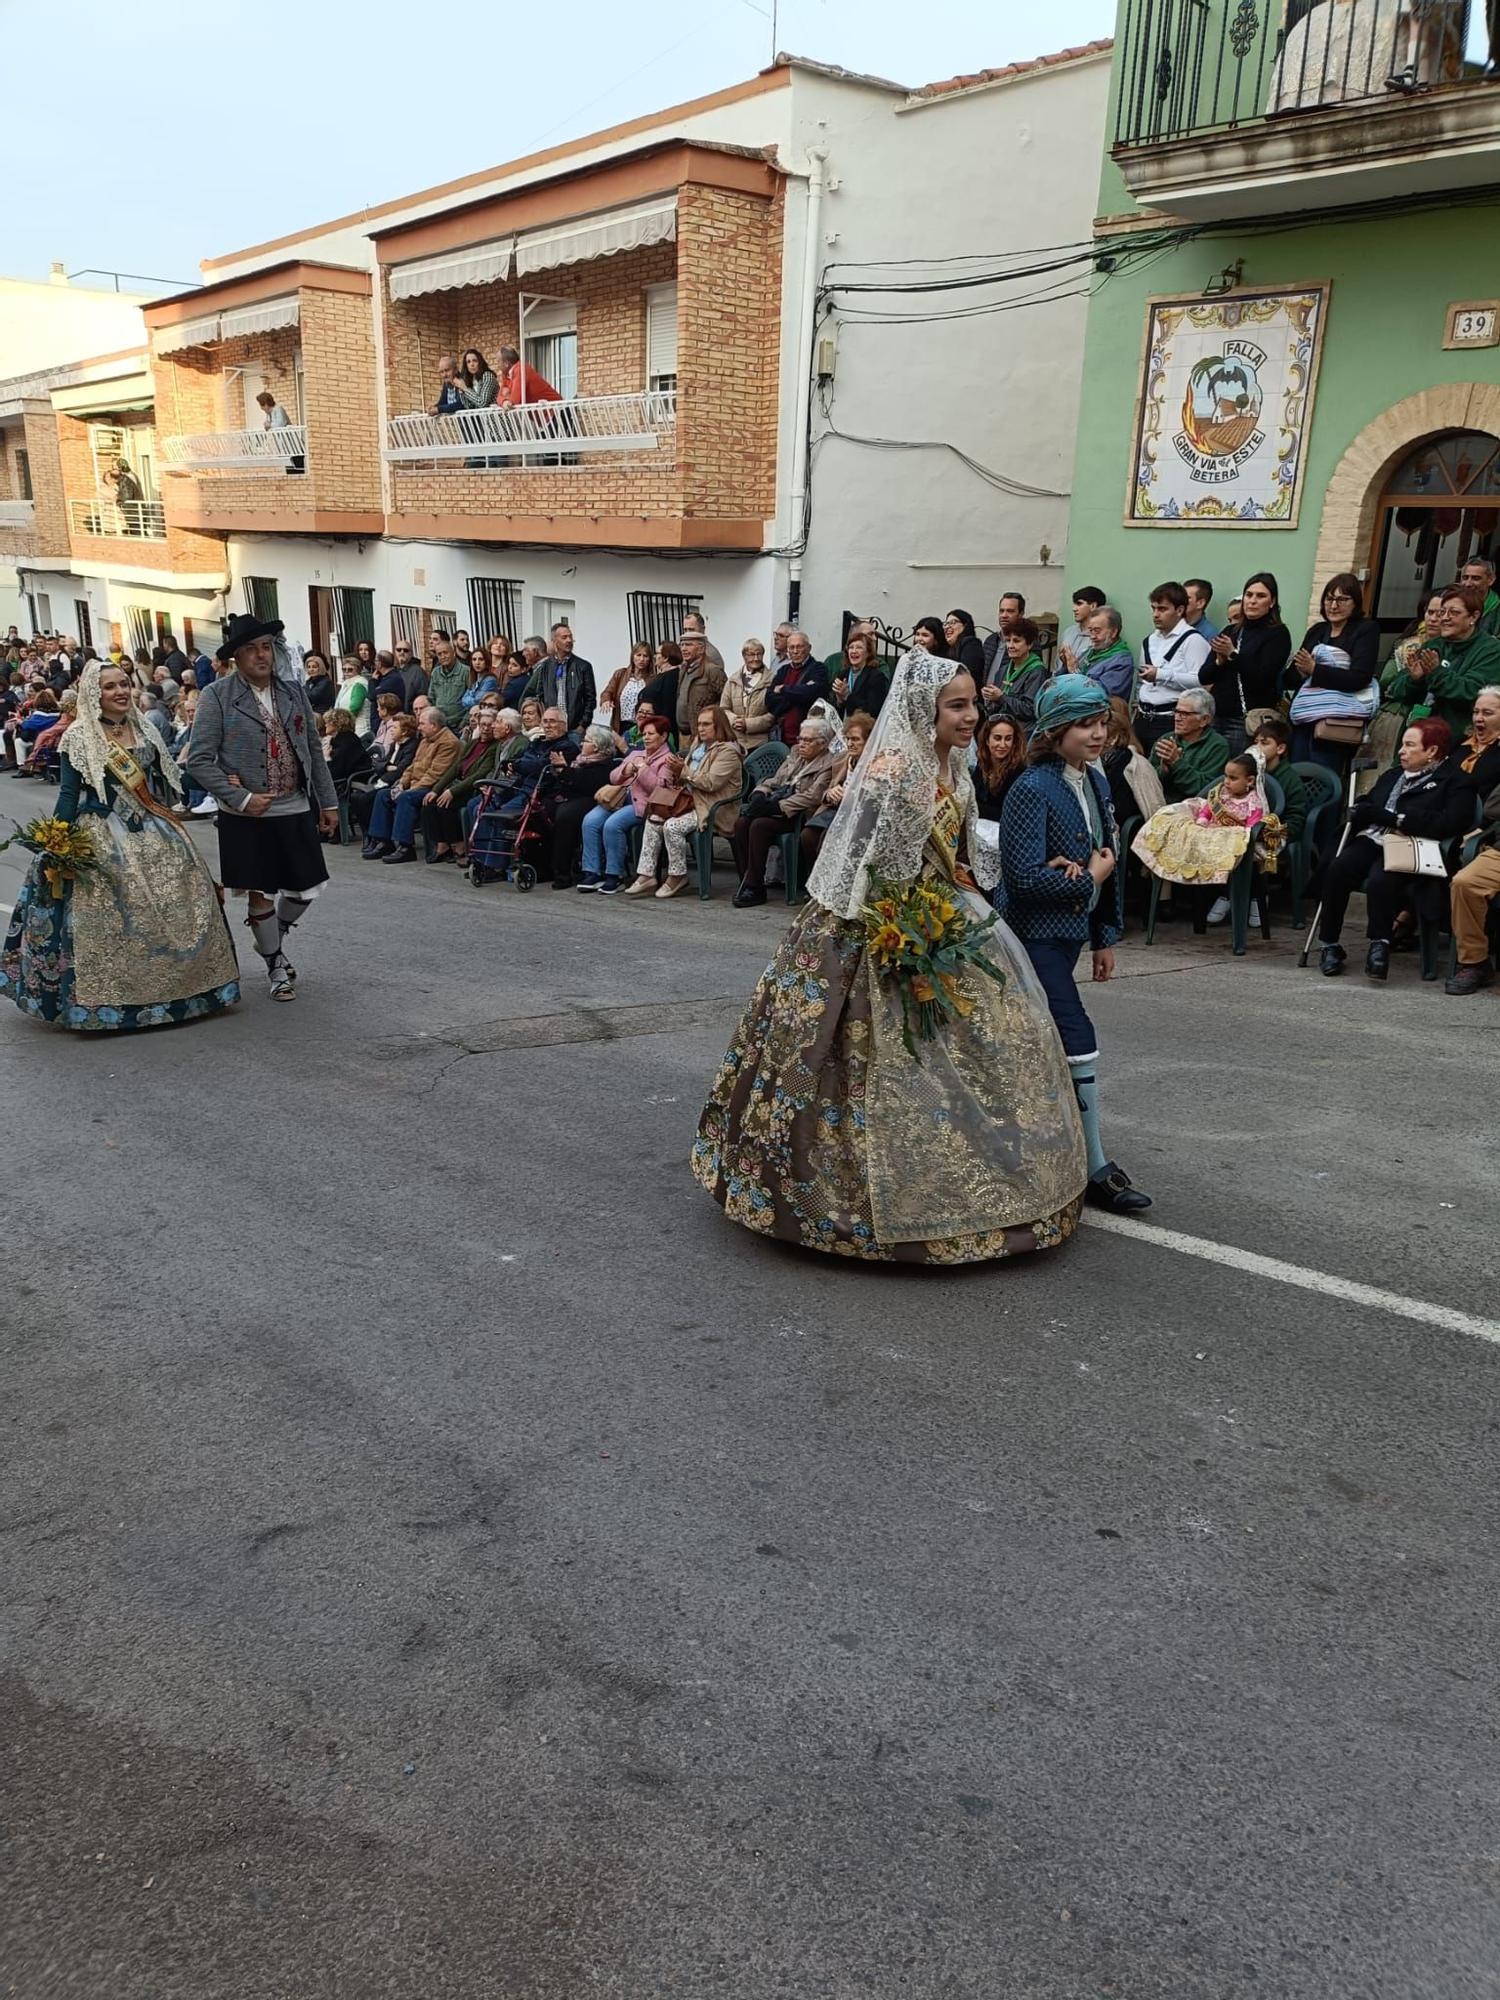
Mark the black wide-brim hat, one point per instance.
(243, 628)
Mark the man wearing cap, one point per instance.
(1059, 852)
(255, 749)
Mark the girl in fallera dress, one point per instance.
(828, 1125)
(138, 938)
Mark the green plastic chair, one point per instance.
(1325, 801)
(758, 765)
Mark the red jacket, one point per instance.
(537, 388)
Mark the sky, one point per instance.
(194, 131)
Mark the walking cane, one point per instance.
(1354, 770)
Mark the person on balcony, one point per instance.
(520, 384)
(450, 397)
(476, 381)
(565, 680)
(128, 492)
(275, 418)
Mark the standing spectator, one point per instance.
(1110, 662)
(1479, 574)
(1020, 674)
(202, 666)
(694, 621)
(1075, 647)
(795, 687)
(607, 829)
(511, 674)
(413, 674)
(1172, 660)
(964, 643)
(699, 684)
(565, 680)
(275, 418)
(931, 635)
(1193, 756)
(448, 680)
(624, 687)
(176, 662)
(1247, 664)
(476, 381)
(450, 397)
(745, 692)
(520, 384)
(1011, 609)
(463, 646)
(321, 691)
(354, 696)
(1444, 679)
(1000, 758)
(482, 678)
(386, 678)
(711, 773)
(1344, 629)
(779, 637)
(860, 683)
(1200, 594)
(797, 787)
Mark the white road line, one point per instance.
(1296, 1274)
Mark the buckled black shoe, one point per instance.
(1112, 1189)
(1378, 960)
(1331, 960)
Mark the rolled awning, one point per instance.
(263, 318)
(598, 236)
(479, 264)
(186, 333)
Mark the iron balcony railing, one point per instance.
(277, 450)
(17, 513)
(122, 520)
(1202, 66)
(642, 422)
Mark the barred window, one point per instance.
(494, 610)
(260, 597)
(656, 615)
(142, 630)
(354, 614)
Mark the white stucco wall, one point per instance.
(1007, 168)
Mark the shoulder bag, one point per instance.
(613, 796)
(669, 802)
(1406, 854)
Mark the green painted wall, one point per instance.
(1393, 278)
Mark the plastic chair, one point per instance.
(1325, 799)
(1240, 889)
(758, 765)
(791, 858)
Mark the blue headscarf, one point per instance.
(1068, 698)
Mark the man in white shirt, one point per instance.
(1172, 660)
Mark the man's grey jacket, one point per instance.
(227, 753)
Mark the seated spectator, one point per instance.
(182, 718)
(354, 695)
(931, 634)
(46, 760)
(1200, 842)
(347, 754)
(1273, 745)
(1474, 889)
(1135, 790)
(1000, 758)
(1428, 795)
(711, 774)
(1193, 757)
(477, 385)
(537, 754)
(646, 711)
(1020, 674)
(1111, 664)
(387, 708)
(384, 677)
(42, 712)
(857, 731)
(1339, 660)
(625, 686)
(860, 683)
(1479, 754)
(449, 398)
(321, 691)
(964, 643)
(659, 695)
(442, 810)
(777, 803)
(1076, 645)
(745, 689)
(1443, 679)
(531, 712)
(1172, 661)
(569, 789)
(520, 384)
(795, 687)
(1246, 667)
(395, 807)
(607, 828)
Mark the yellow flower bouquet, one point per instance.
(920, 936)
(65, 848)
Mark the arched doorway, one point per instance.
(1439, 506)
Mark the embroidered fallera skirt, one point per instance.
(1173, 845)
(823, 1130)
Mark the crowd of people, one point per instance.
(524, 762)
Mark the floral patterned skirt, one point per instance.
(823, 1130)
(138, 942)
(1173, 845)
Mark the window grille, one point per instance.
(494, 610)
(656, 615)
(260, 597)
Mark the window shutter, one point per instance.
(661, 336)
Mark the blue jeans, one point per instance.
(1306, 749)
(606, 839)
(1053, 961)
(396, 822)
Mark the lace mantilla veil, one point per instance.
(886, 813)
(86, 746)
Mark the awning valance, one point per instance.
(598, 236)
(186, 333)
(262, 318)
(478, 264)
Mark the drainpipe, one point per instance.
(811, 245)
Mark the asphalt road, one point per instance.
(441, 1557)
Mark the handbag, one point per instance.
(1345, 729)
(1406, 854)
(613, 796)
(766, 805)
(669, 802)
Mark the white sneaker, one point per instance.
(1220, 911)
(205, 809)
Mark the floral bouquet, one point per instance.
(920, 936)
(65, 849)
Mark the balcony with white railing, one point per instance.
(118, 520)
(283, 449)
(17, 514)
(537, 434)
